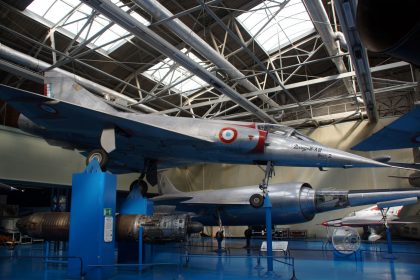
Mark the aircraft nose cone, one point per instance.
(348, 160)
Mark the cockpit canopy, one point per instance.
(285, 131)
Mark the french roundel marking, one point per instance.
(228, 135)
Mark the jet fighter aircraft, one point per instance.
(72, 117)
(372, 219)
(293, 202)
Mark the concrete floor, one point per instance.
(313, 260)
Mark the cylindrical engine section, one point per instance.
(307, 202)
(293, 203)
(48, 226)
(157, 228)
(327, 200)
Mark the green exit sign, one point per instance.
(107, 211)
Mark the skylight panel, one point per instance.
(57, 11)
(169, 73)
(70, 16)
(274, 29)
(40, 7)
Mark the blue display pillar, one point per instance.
(389, 254)
(92, 222)
(267, 206)
(135, 204)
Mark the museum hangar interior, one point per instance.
(209, 138)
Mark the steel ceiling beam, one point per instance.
(109, 76)
(346, 12)
(249, 52)
(149, 37)
(21, 72)
(301, 84)
(39, 65)
(183, 13)
(408, 85)
(160, 13)
(323, 26)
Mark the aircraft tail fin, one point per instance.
(66, 89)
(165, 186)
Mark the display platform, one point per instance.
(312, 260)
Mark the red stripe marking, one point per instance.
(262, 135)
(251, 125)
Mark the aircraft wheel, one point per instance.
(142, 186)
(256, 200)
(100, 155)
(366, 233)
(248, 233)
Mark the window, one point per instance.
(169, 73)
(71, 18)
(275, 26)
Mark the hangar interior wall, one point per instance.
(30, 160)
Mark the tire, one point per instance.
(100, 155)
(256, 200)
(248, 233)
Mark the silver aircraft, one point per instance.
(292, 203)
(72, 117)
(372, 219)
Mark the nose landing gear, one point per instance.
(257, 200)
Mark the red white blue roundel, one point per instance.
(228, 135)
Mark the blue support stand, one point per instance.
(389, 254)
(267, 206)
(141, 248)
(92, 222)
(134, 204)
(46, 254)
(389, 241)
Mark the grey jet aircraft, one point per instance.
(72, 117)
(292, 203)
